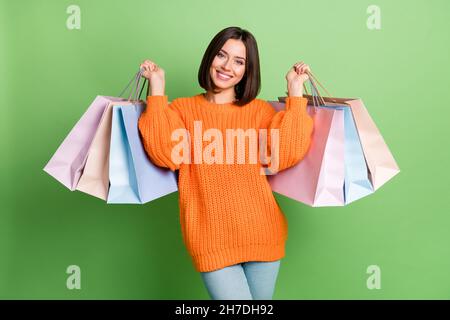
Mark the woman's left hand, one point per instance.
(295, 77)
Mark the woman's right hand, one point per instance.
(155, 76)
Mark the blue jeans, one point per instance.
(253, 280)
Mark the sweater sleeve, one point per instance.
(156, 125)
(294, 126)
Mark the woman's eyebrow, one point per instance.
(227, 53)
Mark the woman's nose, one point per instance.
(226, 65)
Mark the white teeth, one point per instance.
(225, 76)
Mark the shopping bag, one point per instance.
(67, 162)
(94, 179)
(380, 162)
(318, 179)
(356, 183)
(368, 162)
(133, 177)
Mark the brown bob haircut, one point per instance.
(248, 88)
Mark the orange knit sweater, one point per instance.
(228, 213)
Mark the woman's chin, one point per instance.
(221, 86)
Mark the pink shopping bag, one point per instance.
(380, 161)
(318, 179)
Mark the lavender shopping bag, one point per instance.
(318, 179)
(67, 162)
(133, 177)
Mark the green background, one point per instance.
(50, 75)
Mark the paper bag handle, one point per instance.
(135, 80)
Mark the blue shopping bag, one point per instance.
(357, 183)
(133, 177)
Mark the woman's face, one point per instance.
(229, 61)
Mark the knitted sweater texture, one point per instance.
(228, 213)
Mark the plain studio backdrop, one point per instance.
(51, 71)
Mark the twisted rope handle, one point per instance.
(315, 94)
(136, 80)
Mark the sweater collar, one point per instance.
(220, 107)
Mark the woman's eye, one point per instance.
(221, 55)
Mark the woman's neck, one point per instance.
(226, 96)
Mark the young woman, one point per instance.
(231, 223)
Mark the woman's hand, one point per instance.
(295, 77)
(155, 76)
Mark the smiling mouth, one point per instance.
(223, 76)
